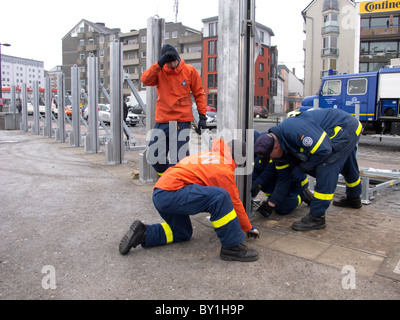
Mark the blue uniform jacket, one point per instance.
(316, 137)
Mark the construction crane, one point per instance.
(176, 7)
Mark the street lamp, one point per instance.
(1, 77)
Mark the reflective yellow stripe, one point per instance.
(160, 174)
(304, 182)
(299, 198)
(337, 129)
(282, 167)
(323, 196)
(354, 184)
(270, 161)
(359, 128)
(225, 220)
(168, 232)
(267, 194)
(318, 143)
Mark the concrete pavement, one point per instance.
(63, 213)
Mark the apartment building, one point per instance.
(266, 70)
(187, 41)
(292, 90)
(379, 33)
(330, 46)
(84, 39)
(16, 71)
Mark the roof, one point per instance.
(98, 26)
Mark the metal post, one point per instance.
(48, 130)
(114, 147)
(75, 135)
(35, 102)
(60, 132)
(236, 47)
(155, 41)
(24, 109)
(92, 143)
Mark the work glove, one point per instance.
(265, 209)
(298, 174)
(255, 189)
(202, 121)
(169, 56)
(253, 233)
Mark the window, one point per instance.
(332, 88)
(331, 5)
(261, 82)
(261, 66)
(82, 42)
(101, 40)
(166, 35)
(330, 46)
(357, 87)
(143, 54)
(143, 39)
(174, 34)
(211, 47)
(210, 81)
(211, 65)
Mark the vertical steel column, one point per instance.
(24, 106)
(60, 132)
(92, 143)
(155, 41)
(12, 108)
(48, 130)
(75, 135)
(35, 102)
(236, 47)
(114, 147)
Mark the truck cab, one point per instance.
(376, 93)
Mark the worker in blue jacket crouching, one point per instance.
(323, 144)
(284, 191)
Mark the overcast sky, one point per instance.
(35, 28)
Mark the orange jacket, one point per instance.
(214, 168)
(173, 91)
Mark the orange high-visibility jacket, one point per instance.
(214, 168)
(173, 91)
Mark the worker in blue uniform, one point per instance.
(323, 144)
(285, 192)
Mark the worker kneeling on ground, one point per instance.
(204, 182)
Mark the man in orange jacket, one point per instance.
(204, 182)
(174, 80)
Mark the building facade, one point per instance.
(330, 47)
(379, 33)
(16, 71)
(266, 71)
(85, 39)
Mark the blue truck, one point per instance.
(377, 94)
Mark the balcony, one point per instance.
(330, 52)
(191, 56)
(330, 29)
(131, 47)
(380, 32)
(131, 62)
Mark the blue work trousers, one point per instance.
(168, 140)
(176, 207)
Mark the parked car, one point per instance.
(211, 115)
(260, 112)
(137, 109)
(29, 108)
(132, 119)
(67, 106)
(104, 112)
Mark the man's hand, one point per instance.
(253, 233)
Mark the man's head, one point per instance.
(267, 147)
(171, 56)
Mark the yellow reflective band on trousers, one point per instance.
(168, 232)
(319, 143)
(225, 220)
(323, 196)
(304, 182)
(299, 198)
(354, 184)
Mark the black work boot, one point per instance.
(238, 253)
(347, 202)
(309, 222)
(308, 196)
(135, 236)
